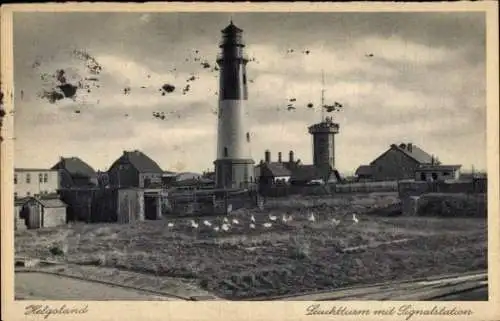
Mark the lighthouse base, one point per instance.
(234, 173)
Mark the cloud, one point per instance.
(396, 49)
(425, 83)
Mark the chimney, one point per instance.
(268, 156)
(290, 156)
(279, 157)
(410, 147)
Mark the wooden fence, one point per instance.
(330, 189)
(367, 187)
(414, 188)
(211, 202)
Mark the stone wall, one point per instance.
(446, 205)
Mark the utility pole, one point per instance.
(322, 95)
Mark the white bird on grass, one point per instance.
(225, 227)
(354, 218)
(230, 208)
(312, 218)
(235, 221)
(194, 224)
(284, 219)
(225, 220)
(252, 226)
(216, 228)
(252, 218)
(170, 224)
(207, 223)
(267, 225)
(335, 221)
(272, 217)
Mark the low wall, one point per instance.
(329, 189)
(409, 188)
(287, 190)
(367, 187)
(191, 205)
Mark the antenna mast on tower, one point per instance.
(322, 95)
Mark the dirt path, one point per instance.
(41, 286)
(462, 287)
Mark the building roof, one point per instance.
(325, 126)
(34, 170)
(76, 167)
(139, 160)
(364, 170)
(194, 181)
(274, 169)
(52, 202)
(310, 172)
(410, 150)
(231, 28)
(187, 176)
(46, 202)
(20, 201)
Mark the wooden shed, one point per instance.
(42, 212)
(19, 220)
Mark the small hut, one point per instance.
(39, 212)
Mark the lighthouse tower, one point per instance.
(234, 165)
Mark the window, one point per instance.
(15, 178)
(28, 193)
(15, 194)
(244, 79)
(40, 178)
(225, 152)
(434, 176)
(28, 178)
(45, 178)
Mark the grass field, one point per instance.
(292, 257)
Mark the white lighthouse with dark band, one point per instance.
(234, 164)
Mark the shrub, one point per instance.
(449, 205)
(299, 248)
(56, 250)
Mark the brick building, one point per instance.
(135, 169)
(74, 172)
(398, 162)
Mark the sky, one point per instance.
(400, 77)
